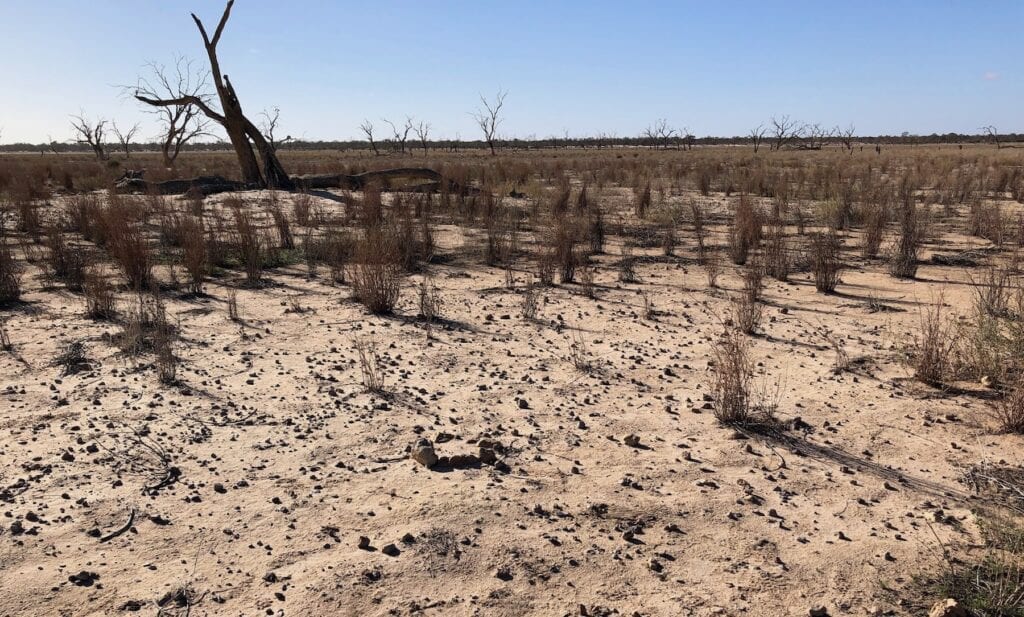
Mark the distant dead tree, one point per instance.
(423, 134)
(270, 121)
(400, 136)
(688, 138)
(90, 133)
(660, 134)
(757, 136)
(846, 137)
(784, 131)
(125, 137)
(243, 134)
(815, 136)
(489, 118)
(182, 122)
(367, 128)
(992, 134)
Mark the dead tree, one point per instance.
(785, 131)
(992, 134)
(846, 137)
(179, 123)
(815, 136)
(125, 138)
(489, 118)
(90, 133)
(422, 133)
(757, 136)
(689, 139)
(660, 134)
(367, 128)
(400, 135)
(270, 121)
(243, 134)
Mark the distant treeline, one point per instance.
(525, 144)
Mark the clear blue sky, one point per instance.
(718, 68)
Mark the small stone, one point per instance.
(503, 573)
(632, 440)
(655, 565)
(423, 453)
(391, 550)
(817, 611)
(364, 543)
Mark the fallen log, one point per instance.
(388, 179)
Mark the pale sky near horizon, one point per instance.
(718, 68)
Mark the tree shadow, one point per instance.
(803, 447)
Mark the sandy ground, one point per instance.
(275, 460)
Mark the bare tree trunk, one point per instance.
(233, 119)
(274, 175)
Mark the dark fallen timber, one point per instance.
(405, 178)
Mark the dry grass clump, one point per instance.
(285, 238)
(776, 252)
(986, 220)
(903, 262)
(642, 199)
(733, 371)
(596, 227)
(194, 254)
(431, 304)
(579, 352)
(370, 366)
(932, 351)
(825, 257)
(335, 250)
(10, 274)
(126, 243)
(627, 265)
(565, 238)
(29, 221)
(249, 243)
(697, 219)
(500, 244)
(747, 309)
(65, 263)
(529, 301)
(991, 584)
(232, 306)
(875, 219)
(376, 269)
(302, 205)
(744, 231)
(737, 402)
(100, 296)
(1009, 410)
(992, 339)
